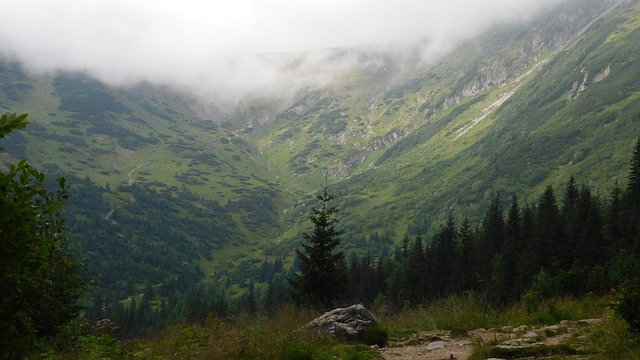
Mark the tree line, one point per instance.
(569, 243)
(572, 244)
(559, 245)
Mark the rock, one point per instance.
(507, 329)
(590, 321)
(348, 322)
(436, 345)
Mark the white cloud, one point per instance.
(210, 45)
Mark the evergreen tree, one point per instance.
(414, 277)
(632, 202)
(527, 264)
(547, 231)
(633, 185)
(615, 227)
(465, 268)
(571, 224)
(444, 258)
(513, 247)
(492, 237)
(321, 280)
(590, 249)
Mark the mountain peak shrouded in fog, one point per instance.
(215, 47)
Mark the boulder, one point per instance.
(348, 323)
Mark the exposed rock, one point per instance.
(355, 158)
(602, 75)
(347, 322)
(436, 345)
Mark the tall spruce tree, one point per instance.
(322, 277)
(633, 185)
(547, 230)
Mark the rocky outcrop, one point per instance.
(491, 75)
(579, 87)
(355, 158)
(348, 323)
(550, 32)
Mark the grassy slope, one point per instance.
(541, 135)
(405, 147)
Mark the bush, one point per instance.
(375, 335)
(627, 305)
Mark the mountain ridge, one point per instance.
(508, 112)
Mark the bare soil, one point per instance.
(443, 345)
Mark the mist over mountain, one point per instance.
(194, 148)
(226, 51)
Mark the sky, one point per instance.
(217, 48)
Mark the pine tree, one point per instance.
(444, 257)
(571, 224)
(632, 201)
(615, 228)
(512, 248)
(547, 230)
(414, 277)
(590, 248)
(322, 278)
(633, 185)
(492, 237)
(465, 269)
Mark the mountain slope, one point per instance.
(568, 109)
(169, 191)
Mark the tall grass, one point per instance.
(274, 336)
(278, 335)
(535, 310)
(464, 312)
(459, 313)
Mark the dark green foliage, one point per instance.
(627, 303)
(11, 122)
(331, 122)
(375, 335)
(411, 86)
(540, 251)
(86, 97)
(38, 272)
(322, 278)
(633, 184)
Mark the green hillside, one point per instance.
(168, 191)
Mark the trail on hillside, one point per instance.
(130, 174)
(130, 182)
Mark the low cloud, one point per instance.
(226, 50)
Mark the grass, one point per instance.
(275, 336)
(278, 335)
(459, 313)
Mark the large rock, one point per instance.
(347, 322)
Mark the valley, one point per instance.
(170, 191)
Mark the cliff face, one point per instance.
(503, 62)
(496, 59)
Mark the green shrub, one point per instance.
(375, 335)
(627, 305)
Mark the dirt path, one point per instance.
(130, 182)
(130, 174)
(443, 345)
(440, 345)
